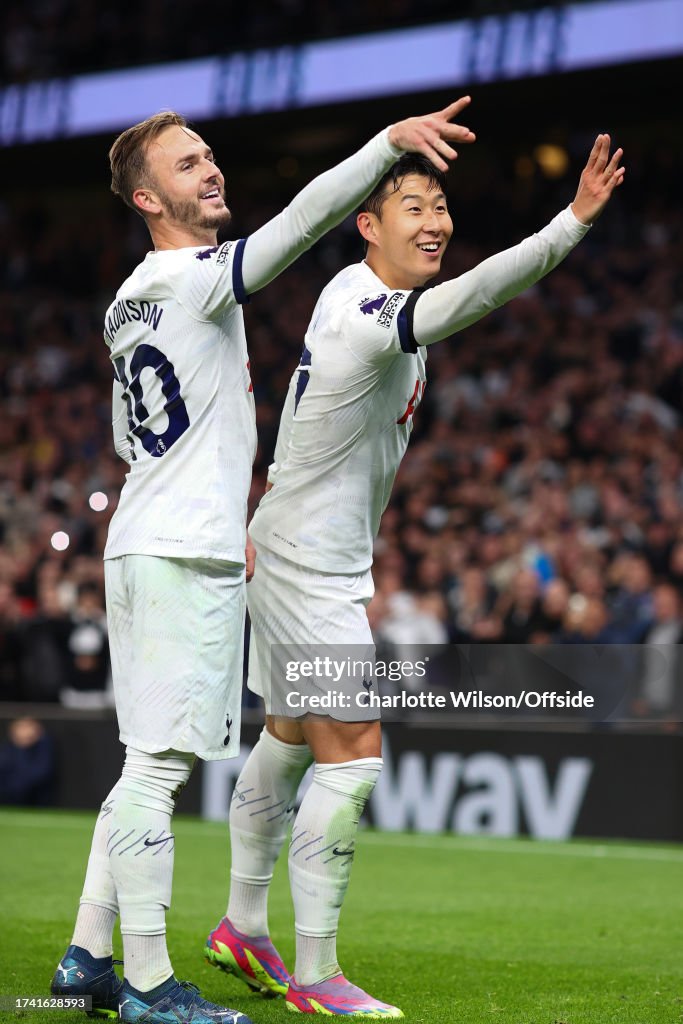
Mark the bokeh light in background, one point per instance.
(552, 159)
(98, 501)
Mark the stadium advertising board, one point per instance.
(451, 55)
(547, 784)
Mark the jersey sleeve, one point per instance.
(454, 305)
(378, 325)
(322, 204)
(208, 282)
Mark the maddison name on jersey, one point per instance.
(128, 311)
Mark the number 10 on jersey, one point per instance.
(174, 406)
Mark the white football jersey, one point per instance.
(183, 408)
(348, 414)
(345, 426)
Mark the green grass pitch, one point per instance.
(452, 929)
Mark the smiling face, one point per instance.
(406, 244)
(185, 200)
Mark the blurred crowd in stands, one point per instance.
(541, 499)
(53, 38)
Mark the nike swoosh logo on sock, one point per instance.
(156, 842)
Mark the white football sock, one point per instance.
(98, 906)
(260, 813)
(94, 928)
(140, 848)
(320, 857)
(146, 962)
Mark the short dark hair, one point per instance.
(409, 163)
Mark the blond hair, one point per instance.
(128, 155)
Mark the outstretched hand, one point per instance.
(598, 181)
(431, 133)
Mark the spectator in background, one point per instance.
(587, 622)
(45, 638)
(410, 621)
(554, 606)
(87, 675)
(630, 602)
(658, 546)
(27, 765)
(660, 690)
(521, 610)
(589, 580)
(471, 602)
(598, 658)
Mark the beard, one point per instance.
(190, 214)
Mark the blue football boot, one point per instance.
(81, 974)
(172, 1002)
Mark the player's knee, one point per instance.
(285, 730)
(155, 780)
(354, 779)
(335, 742)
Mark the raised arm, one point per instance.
(325, 202)
(456, 304)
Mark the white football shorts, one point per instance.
(317, 613)
(176, 636)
